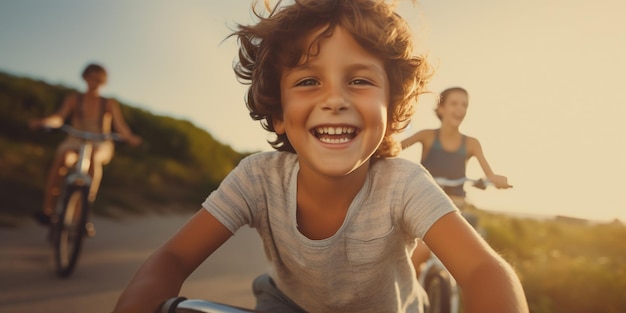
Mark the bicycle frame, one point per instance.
(72, 208)
(80, 174)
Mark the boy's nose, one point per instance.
(335, 101)
(335, 104)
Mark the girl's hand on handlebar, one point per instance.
(134, 140)
(499, 181)
(53, 121)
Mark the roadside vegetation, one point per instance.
(565, 265)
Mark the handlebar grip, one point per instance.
(169, 306)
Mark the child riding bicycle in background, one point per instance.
(446, 151)
(337, 213)
(86, 112)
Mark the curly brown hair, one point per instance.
(277, 41)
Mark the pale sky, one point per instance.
(545, 81)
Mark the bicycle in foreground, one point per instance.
(69, 222)
(443, 292)
(184, 305)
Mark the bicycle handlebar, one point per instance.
(478, 183)
(481, 183)
(90, 135)
(184, 305)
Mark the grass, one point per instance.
(565, 266)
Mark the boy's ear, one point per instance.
(279, 125)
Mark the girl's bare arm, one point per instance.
(475, 149)
(413, 139)
(163, 273)
(120, 124)
(487, 281)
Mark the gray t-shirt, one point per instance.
(366, 265)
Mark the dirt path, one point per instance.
(28, 283)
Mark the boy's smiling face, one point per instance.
(334, 105)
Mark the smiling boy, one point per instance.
(338, 216)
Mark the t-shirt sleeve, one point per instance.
(424, 203)
(233, 201)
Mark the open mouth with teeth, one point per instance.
(335, 134)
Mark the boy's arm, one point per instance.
(163, 273)
(120, 124)
(475, 149)
(487, 281)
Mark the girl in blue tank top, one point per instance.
(445, 152)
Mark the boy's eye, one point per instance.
(360, 81)
(307, 82)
